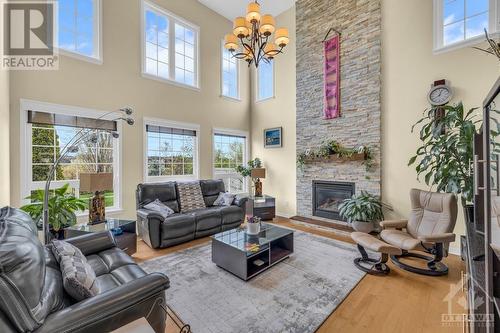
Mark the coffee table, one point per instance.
(247, 255)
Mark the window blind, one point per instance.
(170, 130)
(45, 118)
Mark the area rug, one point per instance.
(296, 295)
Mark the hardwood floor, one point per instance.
(399, 302)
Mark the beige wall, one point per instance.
(4, 139)
(118, 83)
(279, 112)
(409, 67)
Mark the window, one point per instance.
(265, 80)
(43, 142)
(230, 75)
(462, 22)
(230, 151)
(171, 151)
(170, 49)
(79, 28)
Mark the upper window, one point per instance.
(230, 75)
(172, 151)
(265, 80)
(230, 151)
(460, 22)
(170, 49)
(79, 27)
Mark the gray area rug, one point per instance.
(296, 295)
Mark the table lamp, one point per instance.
(96, 183)
(257, 174)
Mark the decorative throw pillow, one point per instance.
(224, 199)
(190, 196)
(159, 207)
(79, 279)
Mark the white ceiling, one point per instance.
(234, 8)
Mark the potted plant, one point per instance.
(444, 158)
(256, 163)
(362, 211)
(62, 208)
(253, 225)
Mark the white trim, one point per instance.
(174, 124)
(454, 250)
(238, 74)
(25, 154)
(285, 215)
(437, 29)
(257, 100)
(172, 20)
(97, 58)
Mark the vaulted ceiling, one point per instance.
(234, 8)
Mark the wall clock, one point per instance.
(440, 93)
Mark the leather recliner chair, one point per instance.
(429, 229)
(32, 296)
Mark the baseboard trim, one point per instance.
(287, 216)
(454, 250)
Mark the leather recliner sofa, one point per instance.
(32, 296)
(160, 232)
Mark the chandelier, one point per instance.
(251, 39)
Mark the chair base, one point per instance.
(436, 267)
(370, 265)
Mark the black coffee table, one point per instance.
(246, 255)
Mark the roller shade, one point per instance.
(170, 130)
(45, 118)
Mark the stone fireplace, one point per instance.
(360, 91)
(327, 197)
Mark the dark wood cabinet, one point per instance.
(263, 207)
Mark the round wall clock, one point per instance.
(440, 95)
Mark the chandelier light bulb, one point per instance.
(281, 37)
(240, 28)
(267, 25)
(253, 12)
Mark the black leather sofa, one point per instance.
(32, 296)
(159, 232)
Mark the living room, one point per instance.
(242, 166)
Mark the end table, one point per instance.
(263, 207)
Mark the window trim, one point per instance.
(257, 81)
(246, 154)
(173, 18)
(98, 42)
(238, 74)
(176, 124)
(493, 28)
(25, 154)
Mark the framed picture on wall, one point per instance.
(273, 137)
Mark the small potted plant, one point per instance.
(253, 225)
(362, 211)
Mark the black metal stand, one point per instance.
(370, 265)
(436, 267)
(185, 328)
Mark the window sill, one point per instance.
(159, 179)
(232, 99)
(110, 211)
(265, 99)
(96, 61)
(172, 82)
(463, 44)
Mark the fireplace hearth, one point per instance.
(327, 197)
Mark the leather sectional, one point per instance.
(32, 296)
(160, 232)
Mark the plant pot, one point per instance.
(361, 226)
(253, 228)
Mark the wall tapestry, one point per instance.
(332, 78)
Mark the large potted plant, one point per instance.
(362, 211)
(444, 158)
(62, 207)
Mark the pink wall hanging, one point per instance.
(332, 78)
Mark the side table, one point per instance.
(263, 207)
(126, 239)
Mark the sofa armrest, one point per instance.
(240, 201)
(149, 226)
(93, 243)
(394, 224)
(438, 238)
(105, 306)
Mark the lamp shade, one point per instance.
(258, 173)
(96, 182)
(267, 25)
(240, 28)
(231, 42)
(271, 50)
(281, 37)
(253, 12)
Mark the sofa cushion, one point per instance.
(177, 225)
(165, 192)
(224, 199)
(208, 218)
(190, 196)
(62, 248)
(211, 189)
(160, 207)
(232, 214)
(79, 278)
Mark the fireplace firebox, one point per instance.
(327, 197)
